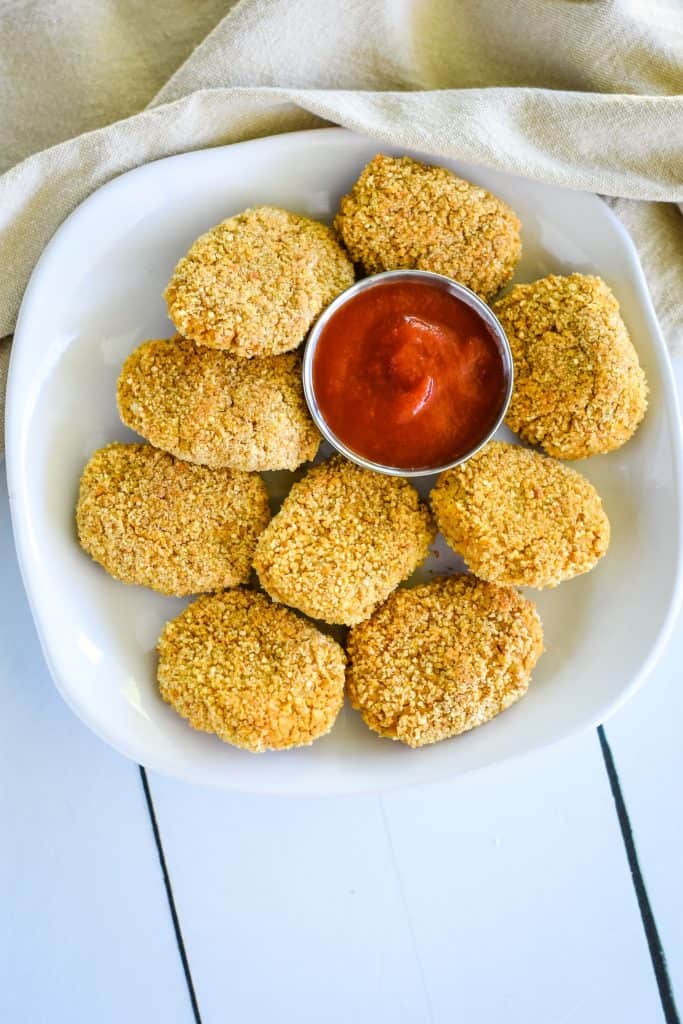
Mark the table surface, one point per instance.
(543, 891)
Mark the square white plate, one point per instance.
(96, 294)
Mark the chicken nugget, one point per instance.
(255, 283)
(151, 519)
(343, 539)
(441, 658)
(254, 673)
(521, 518)
(579, 388)
(216, 409)
(402, 214)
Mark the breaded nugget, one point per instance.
(579, 389)
(216, 409)
(255, 283)
(441, 658)
(343, 539)
(151, 519)
(252, 672)
(519, 517)
(404, 214)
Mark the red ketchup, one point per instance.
(408, 375)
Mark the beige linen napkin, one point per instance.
(582, 93)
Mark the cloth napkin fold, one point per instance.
(581, 93)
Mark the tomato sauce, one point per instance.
(408, 375)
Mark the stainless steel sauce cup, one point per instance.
(377, 281)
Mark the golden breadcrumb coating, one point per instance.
(519, 517)
(252, 672)
(344, 538)
(216, 409)
(151, 519)
(441, 658)
(255, 283)
(579, 389)
(404, 214)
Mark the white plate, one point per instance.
(96, 293)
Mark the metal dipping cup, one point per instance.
(377, 281)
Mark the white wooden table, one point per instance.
(544, 891)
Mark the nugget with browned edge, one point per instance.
(519, 517)
(402, 214)
(441, 658)
(254, 673)
(255, 283)
(579, 388)
(344, 538)
(216, 409)
(151, 519)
